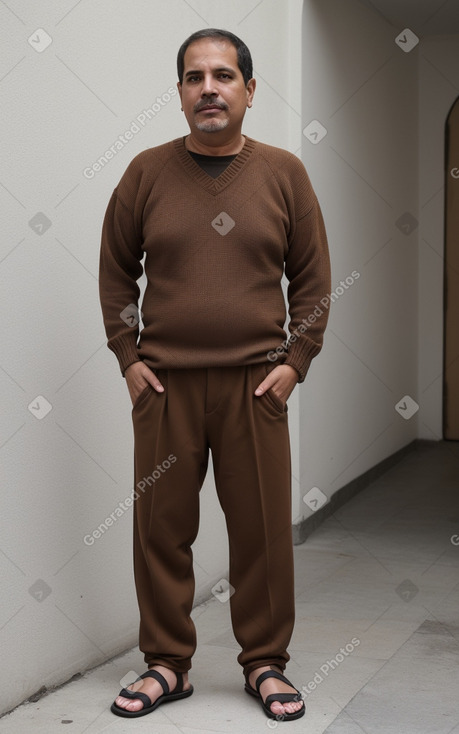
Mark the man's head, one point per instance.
(244, 58)
(215, 81)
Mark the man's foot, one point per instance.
(274, 685)
(151, 687)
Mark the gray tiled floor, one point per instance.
(379, 579)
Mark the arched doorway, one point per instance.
(451, 278)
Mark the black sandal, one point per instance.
(281, 697)
(148, 706)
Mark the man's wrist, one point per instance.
(293, 368)
(123, 372)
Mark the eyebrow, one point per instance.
(219, 69)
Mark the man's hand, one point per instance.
(138, 375)
(282, 380)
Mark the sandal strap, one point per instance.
(282, 697)
(164, 684)
(179, 684)
(272, 674)
(136, 694)
(146, 700)
(157, 676)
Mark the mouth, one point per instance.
(210, 108)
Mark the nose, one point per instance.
(208, 86)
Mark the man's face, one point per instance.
(213, 93)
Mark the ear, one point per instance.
(251, 84)
(179, 87)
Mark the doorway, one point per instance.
(451, 278)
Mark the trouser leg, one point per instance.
(170, 457)
(250, 447)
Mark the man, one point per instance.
(218, 216)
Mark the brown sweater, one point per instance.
(215, 252)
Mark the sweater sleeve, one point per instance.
(119, 269)
(307, 267)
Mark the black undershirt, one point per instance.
(214, 165)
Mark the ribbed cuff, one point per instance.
(125, 349)
(300, 355)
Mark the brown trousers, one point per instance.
(248, 435)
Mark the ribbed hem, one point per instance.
(125, 349)
(300, 355)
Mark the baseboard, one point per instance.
(303, 529)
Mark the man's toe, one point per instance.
(126, 703)
(289, 707)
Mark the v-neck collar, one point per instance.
(213, 185)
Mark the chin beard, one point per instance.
(212, 126)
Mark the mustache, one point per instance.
(200, 105)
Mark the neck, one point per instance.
(215, 147)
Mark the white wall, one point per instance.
(363, 89)
(65, 473)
